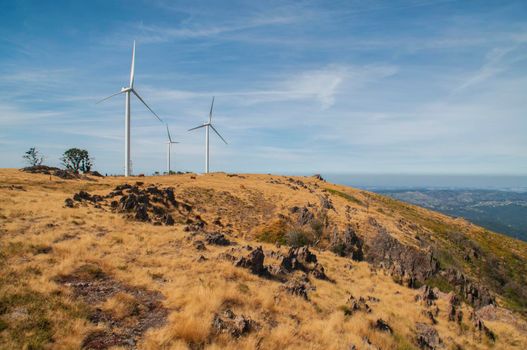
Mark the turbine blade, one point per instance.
(210, 113)
(150, 109)
(132, 69)
(216, 131)
(168, 132)
(197, 127)
(106, 98)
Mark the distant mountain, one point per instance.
(500, 211)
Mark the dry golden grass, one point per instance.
(163, 259)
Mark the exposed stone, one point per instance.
(318, 272)
(326, 203)
(428, 295)
(358, 304)
(383, 326)
(68, 202)
(305, 216)
(298, 286)
(217, 239)
(406, 264)
(236, 326)
(349, 244)
(427, 337)
(304, 260)
(254, 261)
(481, 327)
(475, 294)
(199, 245)
(430, 315)
(319, 177)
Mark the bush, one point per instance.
(297, 239)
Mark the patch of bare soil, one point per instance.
(143, 308)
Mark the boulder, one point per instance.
(229, 323)
(254, 261)
(217, 239)
(382, 326)
(427, 337)
(68, 202)
(298, 286)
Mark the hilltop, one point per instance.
(247, 261)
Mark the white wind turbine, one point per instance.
(127, 91)
(169, 144)
(206, 126)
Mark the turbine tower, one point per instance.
(169, 144)
(128, 91)
(207, 126)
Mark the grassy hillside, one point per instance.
(146, 266)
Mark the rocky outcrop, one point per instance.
(408, 265)
(358, 305)
(427, 337)
(304, 260)
(428, 295)
(254, 261)
(299, 286)
(475, 294)
(217, 239)
(235, 325)
(348, 244)
(150, 204)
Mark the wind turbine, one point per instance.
(206, 126)
(169, 144)
(127, 91)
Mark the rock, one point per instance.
(199, 245)
(430, 315)
(141, 213)
(358, 304)
(318, 272)
(236, 326)
(82, 195)
(319, 177)
(304, 255)
(406, 264)
(481, 327)
(477, 295)
(68, 202)
(383, 326)
(168, 220)
(428, 295)
(326, 203)
(217, 239)
(302, 259)
(254, 262)
(348, 245)
(298, 286)
(427, 337)
(305, 216)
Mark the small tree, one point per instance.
(76, 159)
(33, 157)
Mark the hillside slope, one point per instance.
(175, 262)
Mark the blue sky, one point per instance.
(420, 86)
